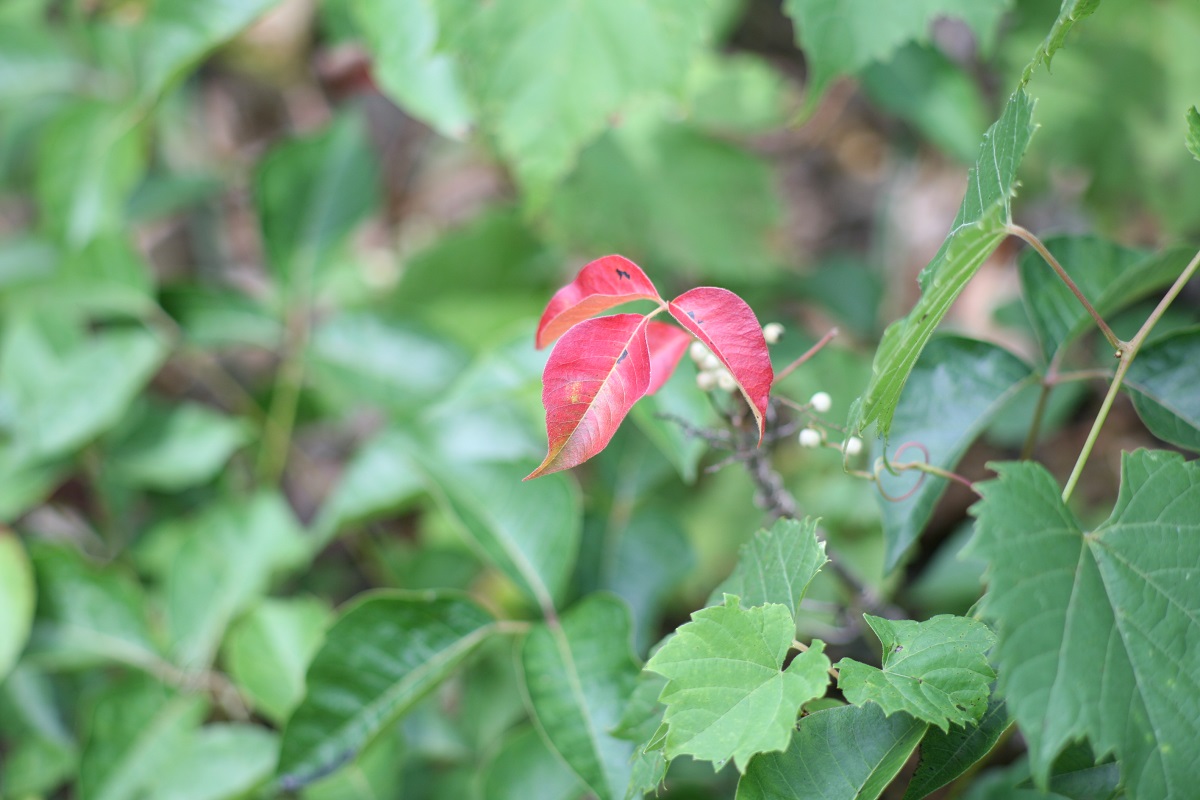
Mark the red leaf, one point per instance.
(667, 345)
(595, 374)
(724, 322)
(602, 284)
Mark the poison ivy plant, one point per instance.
(272, 372)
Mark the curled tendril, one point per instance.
(882, 463)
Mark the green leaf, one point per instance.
(776, 566)
(667, 190)
(384, 653)
(524, 767)
(217, 762)
(89, 160)
(267, 652)
(678, 397)
(956, 389)
(578, 676)
(410, 65)
(1193, 132)
(310, 194)
(977, 230)
(1162, 381)
(43, 752)
(170, 448)
(66, 387)
(936, 671)
(218, 564)
(529, 530)
(923, 86)
(840, 37)
(1071, 12)
(136, 730)
(358, 358)
(1089, 621)
(735, 93)
(652, 557)
(945, 755)
(379, 478)
(728, 696)
(581, 65)
(16, 600)
(34, 63)
(86, 612)
(845, 753)
(1111, 277)
(176, 34)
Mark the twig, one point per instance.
(1036, 243)
(1128, 354)
(803, 648)
(812, 351)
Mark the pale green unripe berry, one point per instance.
(810, 437)
(821, 402)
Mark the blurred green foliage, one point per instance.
(267, 294)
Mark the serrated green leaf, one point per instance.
(410, 64)
(955, 390)
(1163, 382)
(1193, 132)
(977, 230)
(1071, 12)
(1110, 276)
(1090, 621)
(727, 695)
(936, 671)
(268, 650)
(384, 653)
(668, 188)
(16, 599)
(218, 564)
(524, 767)
(136, 730)
(845, 753)
(945, 755)
(176, 34)
(776, 566)
(310, 194)
(840, 37)
(579, 64)
(217, 762)
(578, 677)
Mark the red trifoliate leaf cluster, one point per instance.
(601, 366)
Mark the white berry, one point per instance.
(698, 352)
(853, 446)
(821, 402)
(772, 332)
(726, 380)
(810, 437)
(710, 361)
(706, 380)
